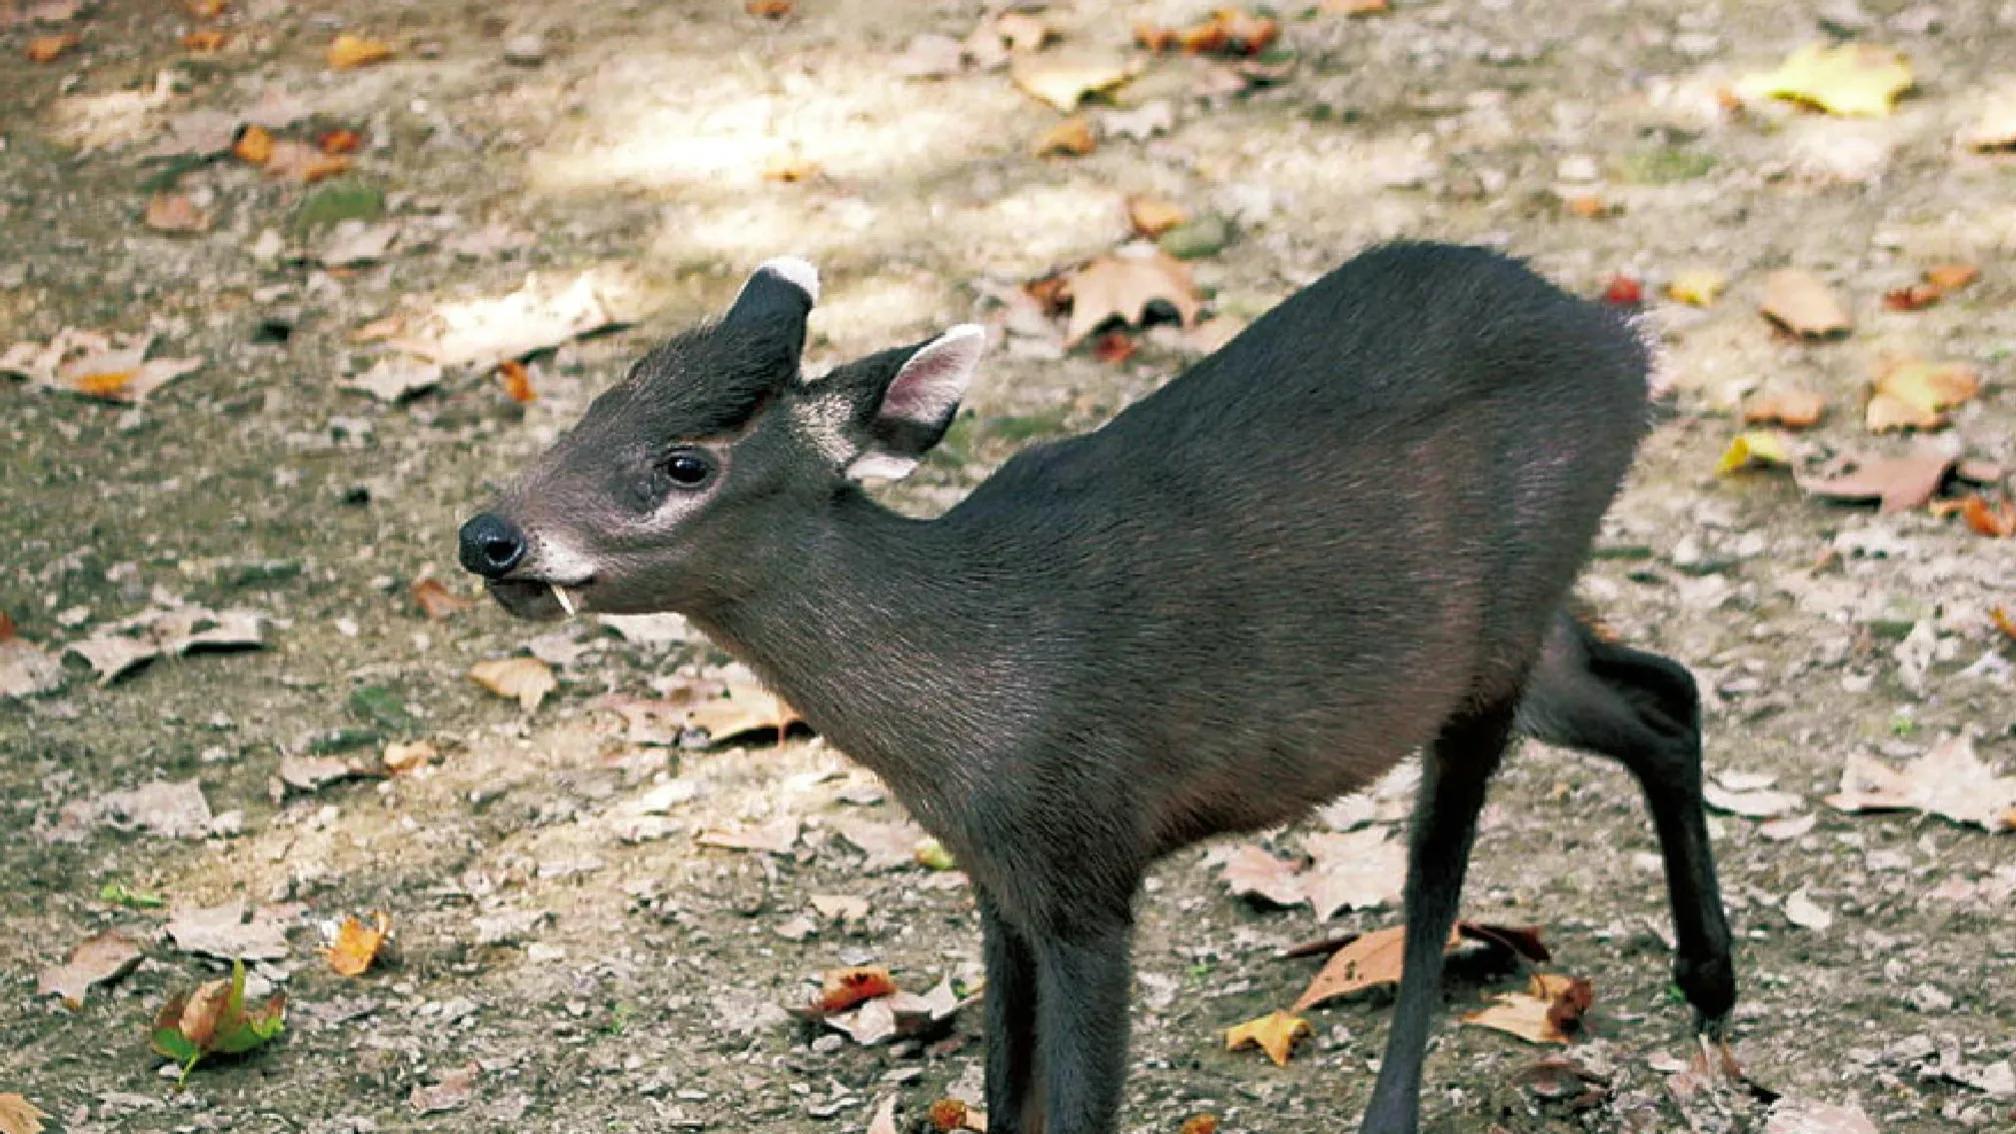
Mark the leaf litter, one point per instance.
(216, 1020)
(1949, 781)
(94, 364)
(99, 959)
(867, 1006)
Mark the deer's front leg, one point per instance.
(1083, 972)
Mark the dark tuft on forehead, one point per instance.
(704, 382)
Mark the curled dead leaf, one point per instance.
(1276, 1033)
(357, 944)
(527, 679)
(436, 601)
(1995, 520)
(1549, 1011)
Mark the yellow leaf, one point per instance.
(348, 51)
(1753, 448)
(1698, 287)
(1547, 1012)
(527, 679)
(254, 146)
(19, 1116)
(1153, 216)
(357, 944)
(1911, 393)
(1275, 1033)
(1063, 78)
(1855, 79)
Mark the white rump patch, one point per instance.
(796, 269)
(934, 379)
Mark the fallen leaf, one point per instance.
(253, 145)
(480, 333)
(777, 836)
(517, 380)
(351, 242)
(1850, 79)
(1997, 520)
(313, 773)
(452, 1091)
(357, 944)
(1755, 448)
(347, 51)
(1995, 130)
(1123, 285)
(403, 759)
(99, 959)
(841, 989)
(1800, 303)
(743, 710)
(1064, 78)
(175, 212)
(19, 1116)
(96, 121)
(1276, 1033)
(1787, 829)
(168, 809)
(1361, 869)
(1793, 409)
(1113, 347)
(1951, 277)
(2003, 621)
(1150, 217)
(1624, 291)
(768, 9)
(1697, 287)
(1206, 1123)
(1801, 910)
(1750, 804)
(1949, 781)
(299, 161)
(1798, 1116)
(1071, 138)
(436, 601)
(1374, 959)
(1911, 393)
(214, 1019)
(49, 48)
(1548, 1011)
(887, 846)
(1252, 871)
(884, 1119)
(527, 679)
(95, 365)
(206, 41)
(948, 1115)
(232, 931)
(790, 168)
(1897, 483)
(393, 380)
(342, 140)
(25, 669)
(891, 1016)
(1226, 31)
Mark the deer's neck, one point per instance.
(896, 638)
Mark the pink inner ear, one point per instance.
(930, 384)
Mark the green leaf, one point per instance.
(170, 1041)
(382, 707)
(119, 894)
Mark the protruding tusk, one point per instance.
(566, 600)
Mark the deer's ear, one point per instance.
(898, 403)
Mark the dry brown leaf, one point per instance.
(175, 212)
(49, 48)
(517, 380)
(745, 709)
(1549, 1011)
(1276, 1033)
(1951, 277)
(1374, 958)
(302, 162)
(1793, 409)
(19, 1116)
(1113, 347)
(1948, 781)
(1226, 31)
(1150, 217)
(1251, 870)
(347, 51)
(2003, 621)
(403, 759)
(481, 333)
(436, 601)
(777, 836)
(1122, 285)
(768, 9)
(99, 959)
(1996, 520)
(1063, 79)
(1071, 138)
(841, 989)
(232, 931)
(342, 140)
(1204, 1123)
(1911, 393)
(1360, 869)
(527, 679)
(357, 944)
(949, 1115)
(1897, 483)
(1800, 303)
(206, 41)
(253, 145)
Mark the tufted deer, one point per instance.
(1348, 535)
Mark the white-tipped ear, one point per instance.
(793, 269)
(927, 389)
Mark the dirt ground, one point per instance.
(605, 971)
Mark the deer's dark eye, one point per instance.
(688, 468)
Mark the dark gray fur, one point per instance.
(1347, 536)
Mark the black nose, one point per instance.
(491, 545)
